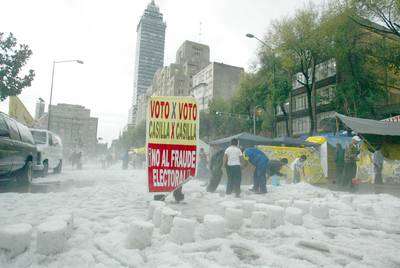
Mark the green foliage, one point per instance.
(220, 121)
(357, 55)
(12, 60)
(132, 137)
(386, 12)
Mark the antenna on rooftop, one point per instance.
(200, 32)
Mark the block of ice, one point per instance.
(294, 215)
(167, 217)
(234, 218)
(214, 226)
(152, 207)
(51, 237)
(182, 230)
(260, 219)
(139, 235)
(248, 207)
(320, 210)
(15, 239)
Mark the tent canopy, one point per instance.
(248, 140)
(370, 127)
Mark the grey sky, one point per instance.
(103, 34)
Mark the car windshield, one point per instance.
(39, 137)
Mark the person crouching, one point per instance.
(260, 161)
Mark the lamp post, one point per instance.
(249, 35)
(51, 88)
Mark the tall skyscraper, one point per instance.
(150, 45)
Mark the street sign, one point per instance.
(172, 132)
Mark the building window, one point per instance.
(300, 102)
(301, 125)
(326, 95)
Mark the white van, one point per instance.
(51, 150)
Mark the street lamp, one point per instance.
(249, 35)
(51, 88)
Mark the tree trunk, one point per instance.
(314, 123)
(309, 108)
(282, 105)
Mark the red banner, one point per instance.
(169, 165)
(172, 133)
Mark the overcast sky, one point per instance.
(102, 33)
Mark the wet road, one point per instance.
(52, 183)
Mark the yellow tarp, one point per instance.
(316, 139)
(365, 168)
(141, 150)
(313, 170)
(18, 111)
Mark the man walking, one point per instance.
(232, 160)
(339, 161)
(216, 163)
(260, 161)
(377, 160)
(350, 164)
(298, 168)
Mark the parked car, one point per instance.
(50, 148)
(18, 154)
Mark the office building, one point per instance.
(150, 45)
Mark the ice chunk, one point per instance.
(15, 239)
(277, 214)
(248, 207)
(167, 216)
(260, 219)
(261, 207)
(68, 218)
(227, 204)
(303, 205)
(320, 210)
(294, 215)
(51, 237)
(366, 209)
(139, 235)
(214, 226)
(284, 203)
(347, 199)
(157, 216)
(234, 218)
(152, 207)
(182, 230)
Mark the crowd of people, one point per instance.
(234, 159)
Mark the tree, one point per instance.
(279, 84)
(301, 42)
(358, 54)
(12, 59)
(387, 12)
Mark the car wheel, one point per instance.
(45, 171)
(26, 173)
(58, 169)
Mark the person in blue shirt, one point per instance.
(260, 161)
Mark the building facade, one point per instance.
(150, 44)
(193, 57)
(216, 80)
(325, 85)
(75, 126)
